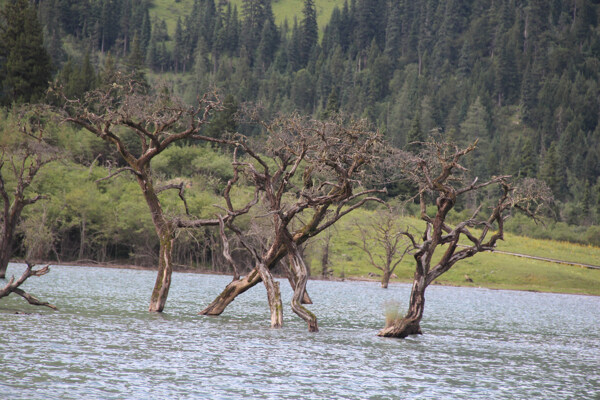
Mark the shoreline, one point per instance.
(115, 265)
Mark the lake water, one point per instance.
(103, 344)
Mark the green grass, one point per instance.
(490, 270)
(169, 10)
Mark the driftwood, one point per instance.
(13, 286)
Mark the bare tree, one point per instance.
(23, 152)
(439, 175)
(13, 286)
(383, 233)
(140, 125)
(308, 177)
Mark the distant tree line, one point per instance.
(522, 76)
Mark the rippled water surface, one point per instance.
(103, 344)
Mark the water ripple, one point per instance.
(479, 344)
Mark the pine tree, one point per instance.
(255, 15)
(393, 32)
(475, 127)
(233, 32)
(309, 31)
(224, 121)
(267, 45)
(550, 170)
(333, 105)
(294, 48)
(135, 61)
(528, 164)
(178, 47)
(415, 135)
(145, 31)
(25, 66)
(370, 24)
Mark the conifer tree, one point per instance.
(25, 67)
(309, 31)
(178, 47)
(135, 61)
(415, 135)
(393, 32)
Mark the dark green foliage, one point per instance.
(78, 78)
(257, 17)
(25, 67)
(522, 76)
(224, 121)
(309, 31)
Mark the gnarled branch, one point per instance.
(13, 286)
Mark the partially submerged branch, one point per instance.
(13, 286)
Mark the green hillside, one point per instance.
(489, 270)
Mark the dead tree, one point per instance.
(124, 110)
(308, 177)
(13, 286)
(23, 152)
(438, 173)
(383, 233)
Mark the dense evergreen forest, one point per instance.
(522, 76)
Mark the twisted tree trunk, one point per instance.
(410, 323)
(273, 296)
(163, 276)
(13, 286)
(293, 279)
(301, 273)
(231, 291)
(166, 236)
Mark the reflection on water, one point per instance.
(103, 344)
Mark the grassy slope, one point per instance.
(169, 10)
(486, 269)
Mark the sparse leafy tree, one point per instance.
(383, 233)
(438, 173)
(124, 110)
(308, 177)
(23, 152)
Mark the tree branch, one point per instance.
(117, 172)
(13, 286)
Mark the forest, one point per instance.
(519, 76)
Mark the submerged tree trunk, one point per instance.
(385, 280)
(293, 279)
(273, 295)
(163, 277)
(5, 253)
(231, 291)
(166, 236)
(410, 323)
(11, 216)
(300, 290)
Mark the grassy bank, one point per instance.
(490, 270)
